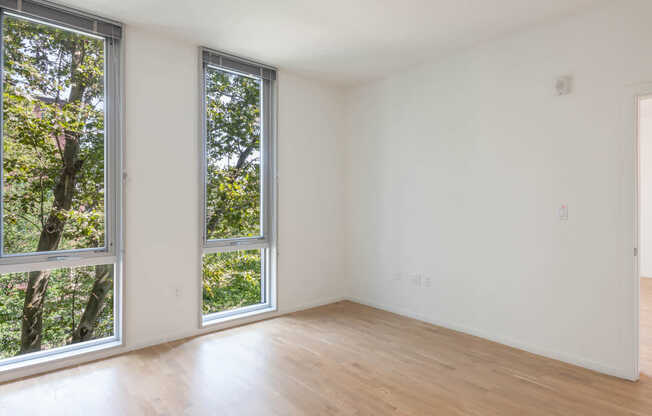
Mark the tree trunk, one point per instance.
(242, 158)
(37, 284)
(101, 288)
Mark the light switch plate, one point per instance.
(563, 212)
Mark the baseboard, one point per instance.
(555, 355)
(316, 304)
(233, 323)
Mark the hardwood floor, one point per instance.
(645, 322)
(340, 359)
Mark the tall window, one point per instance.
(60, 204)
(238, 204)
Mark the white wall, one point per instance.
(311, 218)
(162, 217)
(645, 187)
(455, 172)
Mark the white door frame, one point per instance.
(635, 95)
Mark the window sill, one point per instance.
(216, 319)
(49, 359)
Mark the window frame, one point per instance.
(39, 260)
(111, 33)
(266, 242)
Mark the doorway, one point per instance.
(645, 232)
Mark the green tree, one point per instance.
(53, 194)
(53, 166)
(233, 155)
(233, 197)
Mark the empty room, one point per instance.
(285, 207)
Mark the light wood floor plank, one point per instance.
(340, 359)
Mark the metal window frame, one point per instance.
(61, 15)
(72, 256)
(113, 251)
(266, 242)
(265, 150)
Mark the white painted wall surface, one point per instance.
(311, 217)
(645, 187)
(456, 170)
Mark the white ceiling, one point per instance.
(341, 41)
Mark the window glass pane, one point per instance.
(231, 280)
(77, 306)
(233, 155)
(53, 139)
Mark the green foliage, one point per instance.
(233, 155)
(233, 196)
(231, 280)
(53, 89)
(37, 116)
(44, 70)
(66, 298)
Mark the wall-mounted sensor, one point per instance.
(563, 85)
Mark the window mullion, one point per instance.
(63, 262)
(242, 247)
(227, 242)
